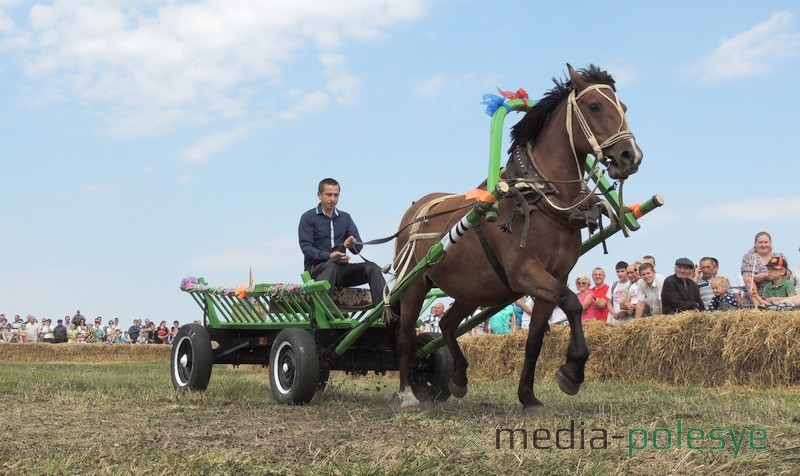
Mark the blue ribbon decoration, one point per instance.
(493, 103)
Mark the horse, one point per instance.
(495, 266)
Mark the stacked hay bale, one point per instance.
(82, 353)
(760, 349)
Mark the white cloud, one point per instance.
(213, 144)
(429, 87)
(6, 23)
(753, 52)
(161, 63)
(341, 84)
(752, 210)
(305, 103)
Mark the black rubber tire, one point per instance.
(430, 376)
(293, 367)
(192, 358)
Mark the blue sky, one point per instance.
(142, 142)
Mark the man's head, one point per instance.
(598, 276)
(709, 267)
(647, 272)
(649, 259)
(17, 318)
(683, 268)
(633, 272)
(622, 271)
(438, 309)
(31, 318)
(328, 194)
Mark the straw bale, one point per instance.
(751, 348)
(40, 353)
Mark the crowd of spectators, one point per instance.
(765, 282)
(76, 330)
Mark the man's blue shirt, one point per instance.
(320, 236)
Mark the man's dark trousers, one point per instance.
(351, 274)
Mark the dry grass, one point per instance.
(126, 419)
(757, 349)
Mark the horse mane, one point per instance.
(528, 128)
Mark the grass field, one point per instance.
(125, 418)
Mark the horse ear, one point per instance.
(577, 79)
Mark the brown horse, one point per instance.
(577, 117)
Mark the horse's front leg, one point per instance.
(410, 305)
(449, 325)
(571, 374)
(533, 346)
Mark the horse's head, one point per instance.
(595, 109)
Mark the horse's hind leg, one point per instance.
(533, 346)
(570, 374)
(449, 325)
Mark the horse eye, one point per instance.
(594, 107)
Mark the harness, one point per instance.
(525, 183)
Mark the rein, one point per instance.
(380, 241)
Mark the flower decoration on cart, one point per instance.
(494, 102)
(275, 291)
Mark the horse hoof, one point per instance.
(456, 390)
(566, 385)
(533, 411)
(408, 402)
(410, 407)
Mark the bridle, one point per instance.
(623, 133)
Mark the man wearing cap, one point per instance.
(60, 332)
(679, 292)
(76, 319)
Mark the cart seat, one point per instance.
(352, 299)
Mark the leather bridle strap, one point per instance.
(622, 133)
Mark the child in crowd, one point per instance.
(722, 300)
(778, 287)
(6, 332)
(72, 334)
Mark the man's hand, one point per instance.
(350, 241)
(339, 257)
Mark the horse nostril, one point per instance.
(627, 155)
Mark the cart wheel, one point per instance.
(324, 375)
(191, 358)
(430, 377)
(294, 367)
